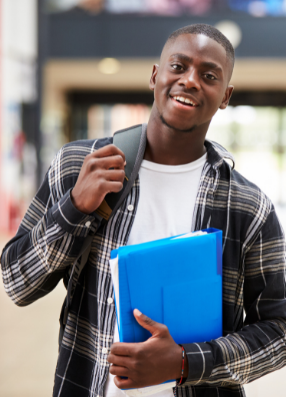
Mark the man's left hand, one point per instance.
(148, 363)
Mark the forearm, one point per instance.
(35, 260)
(259, 347)
(52, 232)
(240, 357)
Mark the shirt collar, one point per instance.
(217, 154)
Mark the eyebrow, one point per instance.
(206, 64)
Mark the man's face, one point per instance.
(191, 82)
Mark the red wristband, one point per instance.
(179, 382)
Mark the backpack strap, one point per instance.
(84, 253)
(132, 141)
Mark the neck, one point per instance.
(165, 145)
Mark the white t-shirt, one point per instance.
(166, 205)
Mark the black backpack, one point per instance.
(132, 141)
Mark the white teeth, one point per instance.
(188, 101)
(184, 100)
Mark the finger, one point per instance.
(112, 186)
(123, 349)
(108, 150)
(122, 383)
(118, 371)
(115, 161)
(149, 324)
(114, 175)
(119, 360)
(106, 163)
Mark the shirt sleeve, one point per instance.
(49, 237)
(259, 347)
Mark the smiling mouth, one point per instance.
(184, 101)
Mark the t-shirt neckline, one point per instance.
(149, 165)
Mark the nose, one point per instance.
(191, 80)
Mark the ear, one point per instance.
(226, 97)
(153, 77)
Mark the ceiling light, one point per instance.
(109, 66)
(231, 30)
(257, 8)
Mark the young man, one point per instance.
(185, 184)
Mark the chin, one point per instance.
(175, 125)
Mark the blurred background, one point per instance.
(76, 69)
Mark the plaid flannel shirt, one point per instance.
(53, 230)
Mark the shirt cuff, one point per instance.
(201, 361)
(71, 219)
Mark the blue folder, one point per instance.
(174, 281)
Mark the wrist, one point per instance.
(184, 367)
(177, 363)
(76, 203)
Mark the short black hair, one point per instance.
(209, 31)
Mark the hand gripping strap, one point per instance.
(132, 141)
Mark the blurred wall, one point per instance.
(18, 89)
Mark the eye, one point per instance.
(210, 76)
(177, 67)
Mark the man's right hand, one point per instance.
(102, 172)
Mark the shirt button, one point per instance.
(130, 207)
(88, 223)
(104, 350)
(109, 300)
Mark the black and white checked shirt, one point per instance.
(50, 237)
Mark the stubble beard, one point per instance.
(188, 130)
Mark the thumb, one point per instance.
(152, 326)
